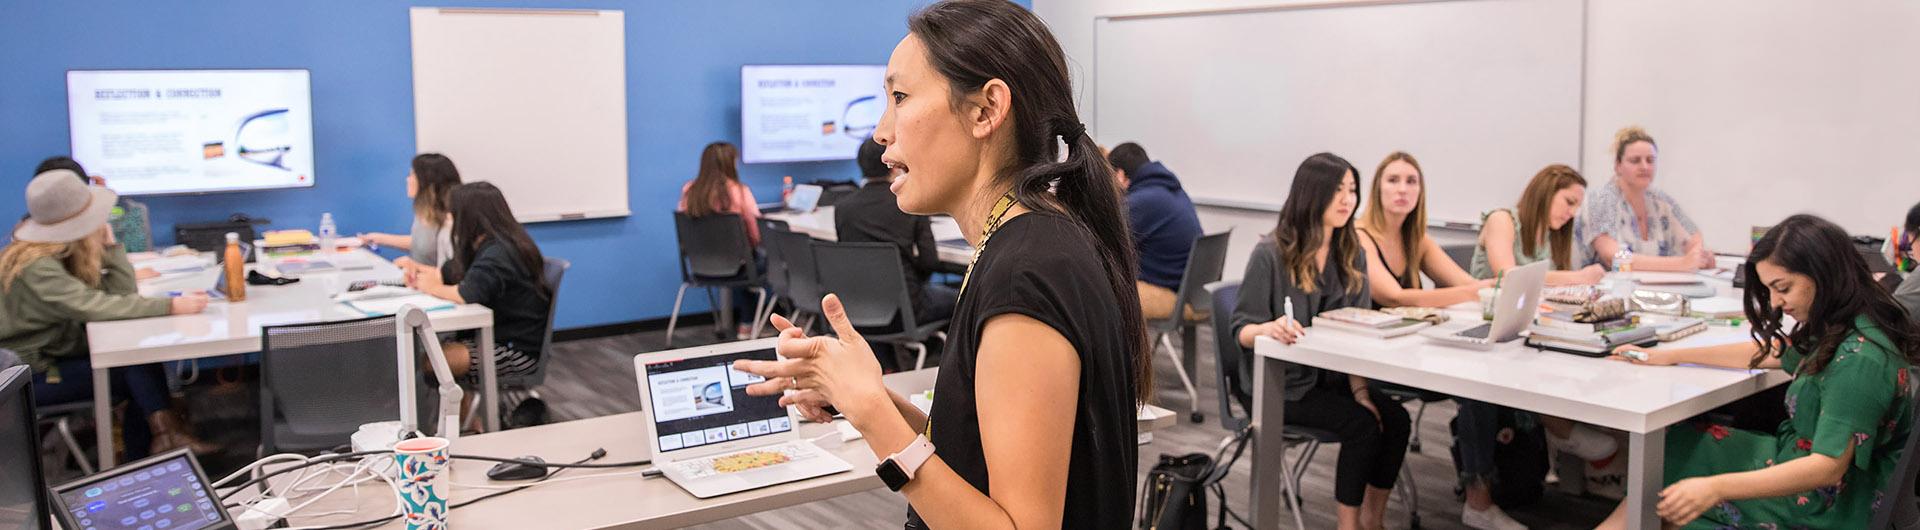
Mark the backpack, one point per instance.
(1520, 465)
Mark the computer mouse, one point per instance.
(523, 468)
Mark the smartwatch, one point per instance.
(898, 469)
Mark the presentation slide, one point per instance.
(691, 393)
(190, 131)
(808, 112)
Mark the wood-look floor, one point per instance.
(594, 377)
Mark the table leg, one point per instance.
(1269, 446)
(103, 417)
(1646, 465)
(1190, 351)
(490, 382)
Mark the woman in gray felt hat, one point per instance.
(64, 269)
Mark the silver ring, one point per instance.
(795, 381)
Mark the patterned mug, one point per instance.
(423, 481)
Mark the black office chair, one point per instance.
(320, 382)
(552, 273)
(802, 290)
(1901, 511)
(873, 288)
(1234, 373)
(715, 253)
(1204, 262)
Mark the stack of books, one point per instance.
(1560, 332)
(288, 242)
(1368, 322)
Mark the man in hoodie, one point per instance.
(1164, 226)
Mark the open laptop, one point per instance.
(1513, 309)
(804, 199)
(709, 436)
(164, 491)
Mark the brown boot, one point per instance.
(170, 432)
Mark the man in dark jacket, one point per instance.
(872, 215)
(1164, 226)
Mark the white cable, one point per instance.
(399, 503)
(257, 463)
(545, 482)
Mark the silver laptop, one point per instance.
(805, 198)
(1513, 310)
(709, 436)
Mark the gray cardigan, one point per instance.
(1267, 284)
(1909, 294)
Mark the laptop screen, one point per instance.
(165, 493)
(703, 400)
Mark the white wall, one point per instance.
(1761, 111)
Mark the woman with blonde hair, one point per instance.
(1394, 235)
(1629, 214)
(63, 270)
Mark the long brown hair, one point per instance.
(480, 213)
(1843, 291)
(1536, 207)
(971, 42)
(433, 176)
(81, 257)
(1297, 236)
(1413, 229)
(712, 189)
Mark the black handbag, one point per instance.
(1175, 496)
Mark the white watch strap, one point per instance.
(913, 456)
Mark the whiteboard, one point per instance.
(1763, 112)
(1483, 92)
(531, 100)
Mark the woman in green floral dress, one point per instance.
(1849, 412)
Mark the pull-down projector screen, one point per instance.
(152, 132)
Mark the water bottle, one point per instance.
(1623, 273)
(786, 189)
(327, 232)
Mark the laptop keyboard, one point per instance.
(1477, 332)
(748, 460)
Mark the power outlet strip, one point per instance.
(263, 515)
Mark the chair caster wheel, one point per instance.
(1197, 417)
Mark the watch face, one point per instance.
(891, 474)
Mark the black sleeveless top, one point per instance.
(1043, 266)
(1381, 254)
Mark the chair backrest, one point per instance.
(1204, 263)
(776, 258)
(713, 246)
(1232, 374)
(869, 281)
(803, 272)
(551, 273)
(326, 379)
(1898, 500)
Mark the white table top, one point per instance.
(228, 328)
(1609, 393)
(818, 224)
(623, 501)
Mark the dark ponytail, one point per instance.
(971, 42)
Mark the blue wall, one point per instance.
(683, 60)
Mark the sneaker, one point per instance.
(1588, 444)
(1489, 519)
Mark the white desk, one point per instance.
(1642, 400)
(628, 500)
(228, 328)
(818, 224)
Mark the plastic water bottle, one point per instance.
(1623, 273)
(327, 232)
(786, 189)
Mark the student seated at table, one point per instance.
(64, 269)
(1394, 234)
(1313, 258)
(1908, 292)
(1628, 213)
(1163, 222)
(429, 243)
(717, 190)
(494, 264)
(128, 220)
(1849, 413)
(1541, 230)
(872, 215)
